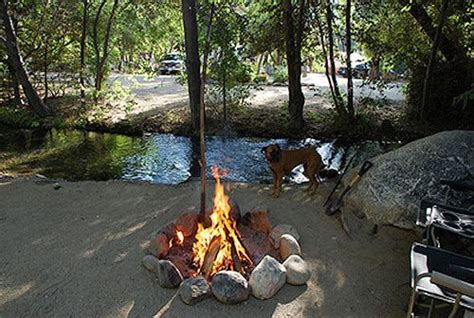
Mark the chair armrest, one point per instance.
(452, 283)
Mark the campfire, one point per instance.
(222, 253)
(218, 246)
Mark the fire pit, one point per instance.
(226, 255)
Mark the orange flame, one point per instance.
(180, 237)
(223, 226)
(178, 240)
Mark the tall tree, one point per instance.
(434, 49)
(325, 57)
(85, 17)
(193, 64)
(350, 88)
(339, 104)
(101, 58)
(14, 56)
(294, 39)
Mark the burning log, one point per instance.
(235, 258)
(210, 257)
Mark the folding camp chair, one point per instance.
(441, 275)
(436, 217)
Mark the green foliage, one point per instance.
(246, 35)
(235, 98)
(388, 33)
(366, 102)
(19, 117)
(280, 75)
(445, 85)
(243, 73)
(264, 18)
(464, 99)
(385, 32)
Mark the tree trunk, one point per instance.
(14, 56)
(45, 97)
(14, 83)
(434, 49)
(193, 64)
(101, 61)
(326, 64)
(293, 56)
(99, 77)
(374, 69)
(259, 63)
(83, 52)
(350, 88)
(339, 103)
(224, 100)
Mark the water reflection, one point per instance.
(164, 159)
(158, 158)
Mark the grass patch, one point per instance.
(19, 117)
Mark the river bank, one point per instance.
(321, 122)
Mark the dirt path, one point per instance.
(77, 252)
(163, 92)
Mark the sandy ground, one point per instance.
(163, 92)
(76, 252)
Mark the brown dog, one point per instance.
(283, 161)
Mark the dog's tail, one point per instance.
(327, 173)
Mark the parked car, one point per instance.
(172, 63)
(342, 71)
(360, 70)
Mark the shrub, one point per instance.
(19, 117)
(243, 73)
(280, 75)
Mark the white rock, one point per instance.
(289, 246)
(281, 229)
(297, 270)
(267, 278)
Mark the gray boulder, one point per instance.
(194, 289)
(230, 287)
(150, 262)
(267, 278)
(391, 191)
